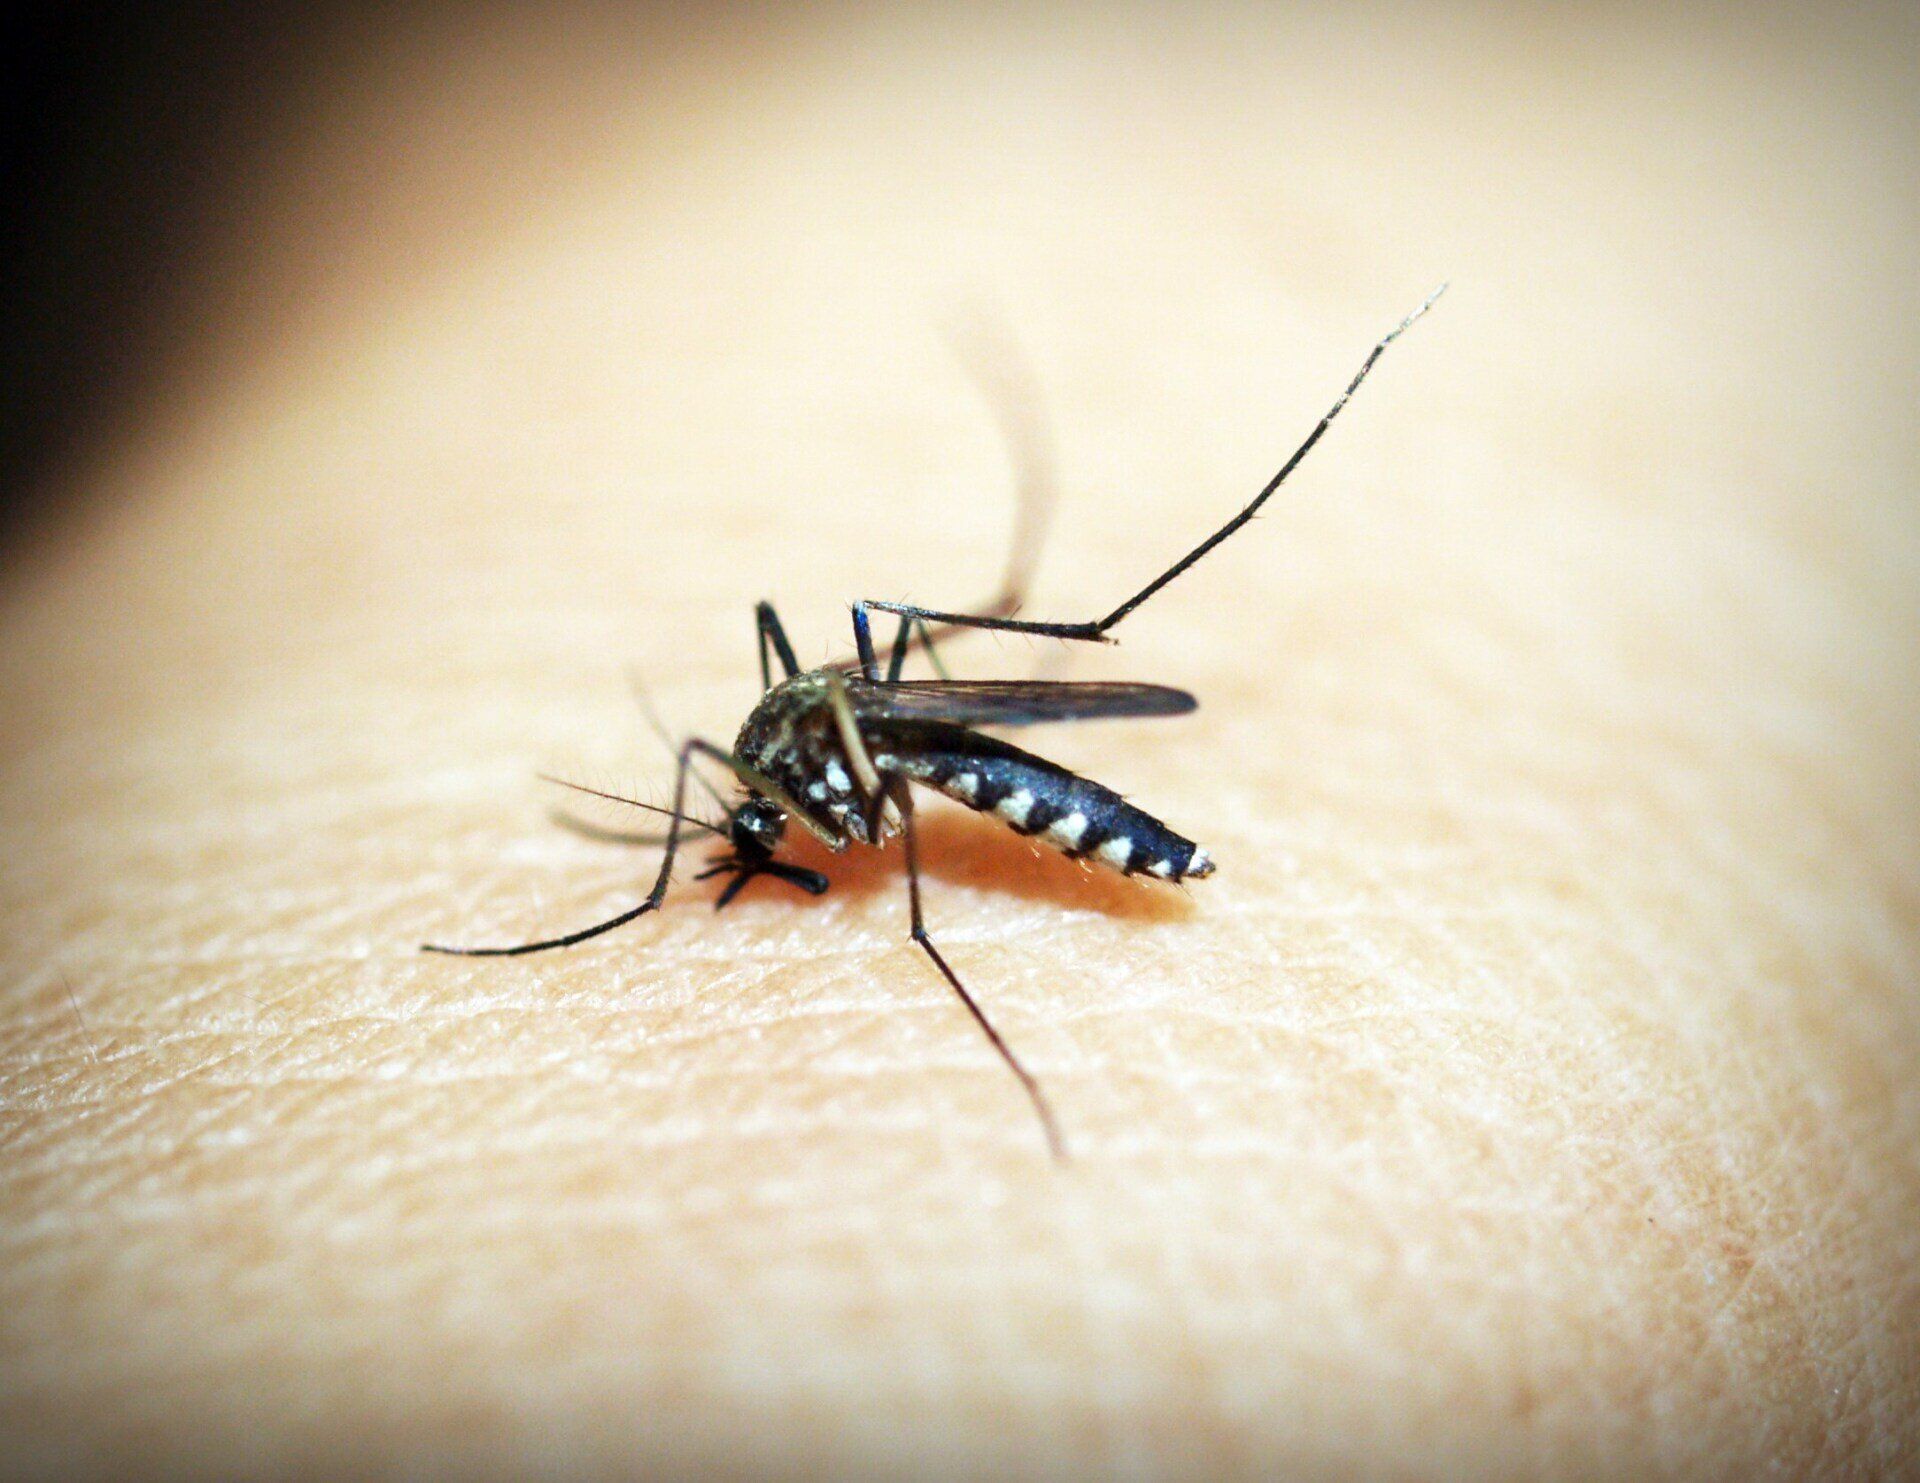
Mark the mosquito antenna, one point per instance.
(659, 728)
(652, 808)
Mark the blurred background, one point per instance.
(1533, 1085)
(124, 127)
(192, 183)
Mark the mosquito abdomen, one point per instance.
(1032, 796)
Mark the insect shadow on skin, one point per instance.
(839, 750)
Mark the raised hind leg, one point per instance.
(1095, 630)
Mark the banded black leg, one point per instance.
(654, 897)
(1095, 631)
(767, 622)
(1056, 1145)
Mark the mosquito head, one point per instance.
(757, 826)
(755, 833)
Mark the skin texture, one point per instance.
(1530, 1091)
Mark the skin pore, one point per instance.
(1529, 1090)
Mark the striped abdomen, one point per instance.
(1035, 797)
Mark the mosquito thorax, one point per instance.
(792, 712)
(792, 739)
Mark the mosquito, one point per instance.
(839, 750)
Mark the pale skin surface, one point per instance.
(1532, 1088)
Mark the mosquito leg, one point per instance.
(866, 661)
(654, 897)
(903, 643)
(994, 615)
(1056, 1145)
(1095, 630)
(933, 654)
(767, 623)
(941, 623)
(897, 660)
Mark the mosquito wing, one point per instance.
(1013, 702)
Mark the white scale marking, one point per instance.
(1117, 851)
(837, 778)
(1015, 807)
(1065, 833)
(1161, 868)
(965, 787)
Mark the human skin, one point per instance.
(1532, 1089)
